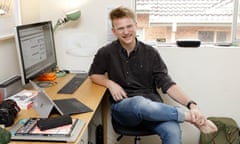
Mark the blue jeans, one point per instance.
(161, 118)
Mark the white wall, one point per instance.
(30, 11)
(8, 59)
(208, 75)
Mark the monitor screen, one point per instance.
(36, 49)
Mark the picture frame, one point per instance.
(9, 21)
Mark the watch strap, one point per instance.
(189, 104)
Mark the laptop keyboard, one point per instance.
(73, 84)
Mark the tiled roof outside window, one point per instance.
(192, 11)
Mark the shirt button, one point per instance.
(128, 83)
(127, 72)
(126, 61)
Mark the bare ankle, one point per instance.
(188, 116)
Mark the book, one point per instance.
(24, 98)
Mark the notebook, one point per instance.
(44, 105)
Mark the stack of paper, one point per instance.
(24, 98)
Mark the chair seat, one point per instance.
(130, 131)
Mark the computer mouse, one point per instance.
(66, 71)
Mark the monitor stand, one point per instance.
(41, 84)
(45, 84)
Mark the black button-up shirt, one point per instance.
(140, 73)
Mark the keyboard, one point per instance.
(73, 84)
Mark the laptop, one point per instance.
(44, 105)
(72, 137)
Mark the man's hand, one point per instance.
(116, 91)
(197, 116)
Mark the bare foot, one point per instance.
(208, 127)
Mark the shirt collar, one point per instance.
(124, 51)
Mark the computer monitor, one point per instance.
(36, 49)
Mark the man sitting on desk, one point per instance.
(134, 71)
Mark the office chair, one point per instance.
(130, 131)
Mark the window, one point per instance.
(169, 20)
(206, 36)
(221, 37)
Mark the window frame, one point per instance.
(235, 22)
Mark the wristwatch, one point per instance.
(189, 104)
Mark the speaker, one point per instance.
(10, 86)
(188, 43)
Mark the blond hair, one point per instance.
(121, 12)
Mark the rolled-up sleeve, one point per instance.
(99, 64)
(161, 76)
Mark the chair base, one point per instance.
(136, 139)
(137, 131)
